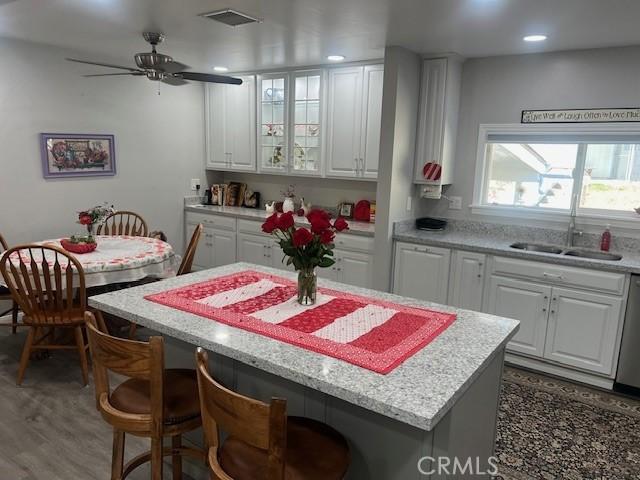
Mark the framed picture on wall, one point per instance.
(67, 155)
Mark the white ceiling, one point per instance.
(299, 32)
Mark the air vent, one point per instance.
(230, 17)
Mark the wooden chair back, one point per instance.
(123, 223)
(3, 244)
(187, 260)
(133, 359)
(47, 283)
(258, 424)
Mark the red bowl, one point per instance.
(78, 247)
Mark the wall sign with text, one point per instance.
(586, 115)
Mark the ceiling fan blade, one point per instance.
(103, 64)
(173, 67)
(136, 74)
(175, 81)
(210, 78)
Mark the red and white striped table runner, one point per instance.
(366, 332)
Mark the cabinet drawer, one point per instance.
(354, 242)
(216, 221)
(561, 275)
(250, 226)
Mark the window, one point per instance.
(547, 169)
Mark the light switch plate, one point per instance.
(194, 184)
(455, 203)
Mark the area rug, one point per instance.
(367, 332)
(549, 429)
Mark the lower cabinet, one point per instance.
(254, 249)
(217, 247)
(421, 272)
(526, 302)
(467, 280)
(582, 329)
(353, 268)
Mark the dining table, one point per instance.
(120, 259)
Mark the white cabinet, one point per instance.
(231, 123)
(254, 249)
(526, 302)
(222, 245)
(421, 272)
(467, 280)
(582, 329)
(438, 117)
(353, 268)
(353, 121)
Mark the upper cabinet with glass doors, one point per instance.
(288, 132)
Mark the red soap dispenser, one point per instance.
(605, 240)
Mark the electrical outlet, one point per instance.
(195, 183)
(455, 203)
(409, 201)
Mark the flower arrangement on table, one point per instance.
(89, 218)
(306, 248)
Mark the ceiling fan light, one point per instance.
(220, 69)
(335, 58)
(535, 38)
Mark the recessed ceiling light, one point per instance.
(335, 58)
(221, 69)
(535, 38)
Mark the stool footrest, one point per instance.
(166, 451)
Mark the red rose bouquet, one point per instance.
(306, 248)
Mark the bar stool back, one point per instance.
(153, 402)
(264, 443)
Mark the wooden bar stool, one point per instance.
(153, 402)
(263, 443)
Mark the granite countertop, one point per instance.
(419, 392)
(355, 227)
(485, 242)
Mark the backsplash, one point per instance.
(523, 233)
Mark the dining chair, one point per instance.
(189, 254)
(123, 222)
(153, 402)
(5, 296)
(262, 441)
(48, 284)
(185, 265)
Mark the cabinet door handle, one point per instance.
(544, 309)
(362, 167)
(355, 169)
(552, 275)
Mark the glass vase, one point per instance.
(307, 285)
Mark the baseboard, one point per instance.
(558, 371)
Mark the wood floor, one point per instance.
(49, 427)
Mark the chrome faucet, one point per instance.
(571, 230)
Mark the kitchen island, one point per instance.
(440, 402)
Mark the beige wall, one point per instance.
(159, 143)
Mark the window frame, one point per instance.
(481, 172)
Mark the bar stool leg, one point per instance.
(156, 458)
(176, 460)
(117, 458)
(83, 354)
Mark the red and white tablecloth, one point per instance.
(366, 332)
(120, 259)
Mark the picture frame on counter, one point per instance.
(346, 210)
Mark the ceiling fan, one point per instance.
(160, 68)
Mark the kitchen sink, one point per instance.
(573, 252)
(593, 254)
(537, 247)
